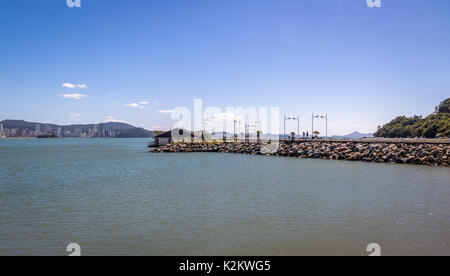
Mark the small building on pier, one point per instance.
(163, 139)
(182, 136)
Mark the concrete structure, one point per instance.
(184, 136)
(163, 139)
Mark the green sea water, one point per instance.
(112, 197)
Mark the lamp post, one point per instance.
(245, 132)
(234, 131)
(248, 128)
(257, 125)
(298, 124)
(312, 125)
(239, 127)
(326, 124)
(295, 119)
(224, 138)
(258, 130)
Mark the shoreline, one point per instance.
(378, 152)
(69, 138)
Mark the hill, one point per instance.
(433, 126)
(354, 135)
(111, 129)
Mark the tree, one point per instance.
(444, 107)
(292, 135)
(258, 134)
(434, 125)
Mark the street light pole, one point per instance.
(295, 119)
(224, 138)
(247, 131)
(257, 129)
(258, 125)
(234, 130)
(312, 128)
(326, 124)
(239, 127)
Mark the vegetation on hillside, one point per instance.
(433, 126)
(134, 133)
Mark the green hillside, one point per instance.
(433, 126)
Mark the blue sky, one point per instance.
(361, 65)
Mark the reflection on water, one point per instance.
(114, 198)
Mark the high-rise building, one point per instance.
(38, 130)
(59, 132)
(77, 132)
(2, 131)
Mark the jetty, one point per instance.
(402, 151)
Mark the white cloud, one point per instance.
(222, 117)
(166, 111)
(74, 96)
(72, 86)
(68, 85)
(139, 105)
(135, 105)
(75, 116)
(110, 119)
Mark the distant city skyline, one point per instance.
(135, 61)
(42, 129)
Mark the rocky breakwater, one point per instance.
(421, 154)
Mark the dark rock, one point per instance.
(429, 154)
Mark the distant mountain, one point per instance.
(220, 134)
(22, 124)
(136, 132)
(121, 130)
(354, 135)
